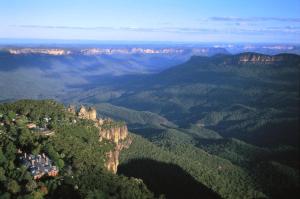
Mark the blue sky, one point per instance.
(156, 20)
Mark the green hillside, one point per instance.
(226, 125)
(242, 114)
(74, 149)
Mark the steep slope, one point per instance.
(75, 154)
(223, 177)
(240, 108)
(210, 83)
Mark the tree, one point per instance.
(60, 163)
(5, 195)
(13, 186)
(31, 186)
(21, 121)
(25, 137)
(2, 175)
(2, 157)
(11, 115)
(10, 152)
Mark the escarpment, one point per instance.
(115, 132)
(256, 58)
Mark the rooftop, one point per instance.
(38, 165)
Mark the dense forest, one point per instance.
(233, 126)
(74, 149)
(215, 127)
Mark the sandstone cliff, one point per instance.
(112, 162)
(113, 132)
(257, 58)
(72, 109)
(116, 132)
(89, 113)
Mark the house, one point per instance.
(47, 119)
(40, 130)
(31, 125)
(39, 165)
(43, 131)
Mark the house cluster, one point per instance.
(41, 130)
(38, 165)
(44, 130)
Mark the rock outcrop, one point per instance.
(72, 109)
(257, 58)
(115, 132)
(113, 155)
(89, 113)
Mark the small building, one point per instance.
(44, 131)
(39, 165)
(31, 125)
(40, 130)
(47, 119)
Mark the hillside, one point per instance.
(227, 125)
(239, 109)
(203, 90)
(72, 152)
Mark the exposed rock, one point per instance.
(72, 109)
(115, 132)
(112, 162)
(89, 113)
(47, 51)
(256, 58)
(118, 134)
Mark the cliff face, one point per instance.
(118, 134)
(112, 161)
(115, 132)
(89, 113)
(72, 109)
(113, 155)
(256, 58)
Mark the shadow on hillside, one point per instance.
(167, 179)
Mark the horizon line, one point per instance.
(14, 41)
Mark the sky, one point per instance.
(251, 21)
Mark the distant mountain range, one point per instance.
(51, 71)
(202, 51)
